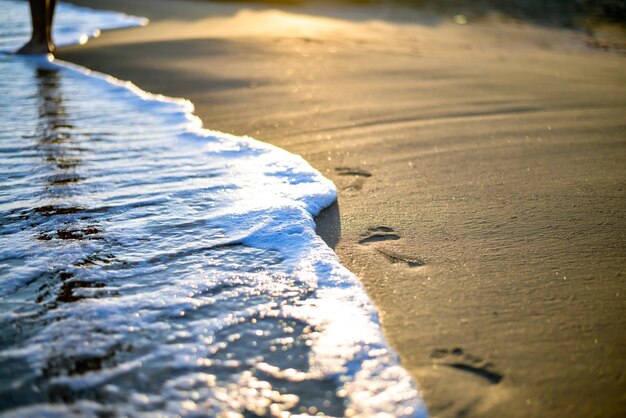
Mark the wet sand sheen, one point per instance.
(481, 175)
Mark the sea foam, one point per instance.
(153, 267)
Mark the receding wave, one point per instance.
(150, 266)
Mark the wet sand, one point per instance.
(481, 171)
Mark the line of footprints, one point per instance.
(455, 358)
(377, 234)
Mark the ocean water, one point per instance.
(149, 267)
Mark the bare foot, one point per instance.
(34, 48)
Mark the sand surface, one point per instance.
(481, 169)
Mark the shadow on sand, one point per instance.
(328, 225)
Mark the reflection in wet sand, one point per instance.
(59, 168)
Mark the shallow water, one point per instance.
(149, 266)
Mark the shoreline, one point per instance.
(467, 182)
(278, 306)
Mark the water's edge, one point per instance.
(371, 362)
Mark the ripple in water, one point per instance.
(150, 266)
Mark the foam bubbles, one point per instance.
(150, 266)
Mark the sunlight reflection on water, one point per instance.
(150, 267)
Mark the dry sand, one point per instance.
(481, 173)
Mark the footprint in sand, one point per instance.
(394, 257)
(359, 176)
(457, 359)
(385, 233)
(378, 234)
(348, 171)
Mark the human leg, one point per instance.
(41, 12)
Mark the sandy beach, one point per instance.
(481, 171)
